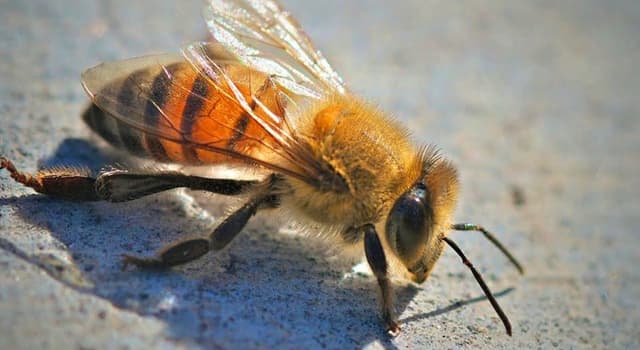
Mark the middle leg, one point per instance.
(192, 249)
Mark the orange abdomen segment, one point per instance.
(172, 113)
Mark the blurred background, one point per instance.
(535, 102)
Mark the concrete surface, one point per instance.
(536, 102)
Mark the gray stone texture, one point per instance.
(535, 102)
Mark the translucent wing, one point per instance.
(266, 37)
(207, 109)
(260, 110)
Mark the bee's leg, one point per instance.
(378, 263)
(67, 183)
(118, 185)
(121, 185)
(191, 249)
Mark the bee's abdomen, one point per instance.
(169, 112)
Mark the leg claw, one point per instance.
(144, 263)
(393, 330)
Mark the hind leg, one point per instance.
(67, 183)
(118, 185)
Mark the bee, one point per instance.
(260, 96)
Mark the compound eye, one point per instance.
(409, 224)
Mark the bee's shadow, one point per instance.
(271, 289)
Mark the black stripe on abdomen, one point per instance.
(190, 113)
(242, 123)
(127, 97)
(160, 89)
(102, 124)
(239, 128)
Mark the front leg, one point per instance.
(378, 263)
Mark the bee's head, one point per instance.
(420, 218)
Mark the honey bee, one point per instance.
(260, 96)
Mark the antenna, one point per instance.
(483, 285)
(493, 239)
